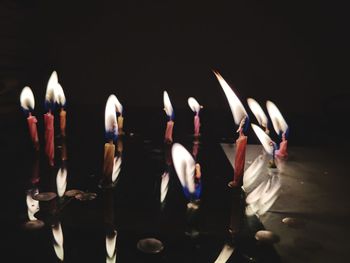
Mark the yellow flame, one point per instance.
(27, 98)
(184, 165)
(237, 109)
(264, 139)
(111, 124)
(51, 88)
(111, 241)
(278, 122)
(61, 181)
(194, 105)
(60, 97)
(167, 104)
(258, 112)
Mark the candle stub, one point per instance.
(168, 138)
(63, 114)
(120, 124)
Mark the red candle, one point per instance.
(195, 107)
(197, 125)
(168, 138)
(282, 151)
(168, 108)
(63, 114)
(241, 144)
(49, 137)
(33, 130)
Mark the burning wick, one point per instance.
(168, 108)
(28, 103)
(280, 126)
(111, 128)
(195, 107)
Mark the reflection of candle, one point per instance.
(111, 128)
(58, 240)
(50, 99)
(281, 128)
(27, 103)
(240, 117)
(195, 107)
(168, 108)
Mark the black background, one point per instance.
(293, 53)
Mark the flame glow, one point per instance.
(51, 88)
(61, 181)
(184, 166)
(236, 106)
(27, 99)
(58, 244)
(278, 122)
(258, 112)
(32, 206)
(60, 97)
(264, 139)
(116, 168)
(111, 241)
(111, 124)
(194, 105)
(164, 186)
(167, 105)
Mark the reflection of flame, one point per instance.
(111, 248)
(253, 172)
(167, 105)
(194, 105)
(61, 181)
(236, 106)
(27, 99)
(258, 112)
(60, 97)
(184, 166)
(264, 196)
(58, 244)
(51, 88)
(278, 122)
(264, 139)
(225, 254)
(164, 185)
(116, 168)
(111, 124)
(33, 206)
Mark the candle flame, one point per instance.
(184, 165)
(194, 105)
(116, 168)
(60, 97)
(32, 206)
(27, 99)
(237, 109)
(167, 105)
(51, 88)
(258, 112)
(61, 181)
(278, 122)
(111, 124)
(111, 241)
(58, 238)
(265, 140)
(225, 254)
(164, 186)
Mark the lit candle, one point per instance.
(168, 108)
(50, 99)
(111, 128)
(268, 144)
(28, 103)
(258, 113)
(61, 101)
(240, 117)
(195, 107)
(281, 128)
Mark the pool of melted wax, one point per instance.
(77, 226)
